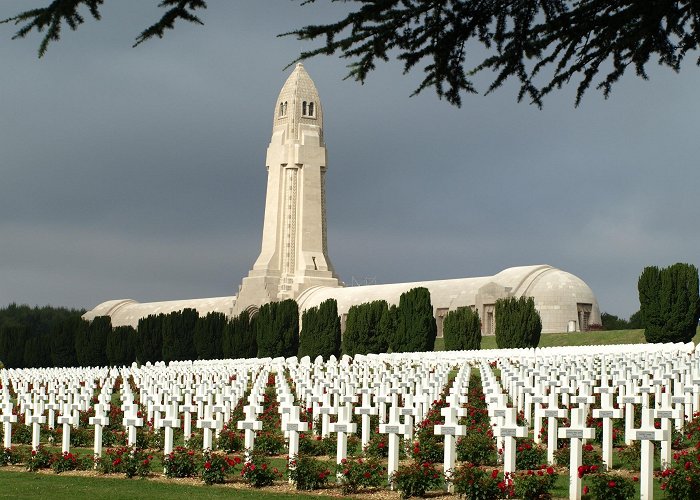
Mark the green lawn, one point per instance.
(18, 484)
(575, 338)
(21, 484)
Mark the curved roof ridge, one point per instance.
(120, 304)
(531, 278)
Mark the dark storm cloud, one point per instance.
(140, 172)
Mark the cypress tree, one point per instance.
(80, 335)
(320, 335)
(12, 340)
(307, 337)
(120, 347)
(265, 336)
(364, 331)
(387, 328)
(277, 328)
(462, 330)
(416, 328)
(248, 345)
(238, 339)
(208, 333)
(356, 328)
(518, 323)
(96, 349)
(669, 303)
(150, 339)
(178, 335)
(32, 352)
(63, 342)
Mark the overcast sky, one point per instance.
(140, 173)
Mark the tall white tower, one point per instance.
(294, 254)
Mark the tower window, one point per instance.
(283, 109)
(307, 109)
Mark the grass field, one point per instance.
(19, 484)
(576, 338)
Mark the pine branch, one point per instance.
(180, 9)
(542, 44)
(51, 17)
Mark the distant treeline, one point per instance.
(612, 322)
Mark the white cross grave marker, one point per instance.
(576, 433)
(509, 431)
(607, 412)
(647, 434)
(450, 429)
(393, 428)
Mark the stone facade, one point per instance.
(294, 263)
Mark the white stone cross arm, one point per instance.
(294, 423)
(250, 423)
(510, 428)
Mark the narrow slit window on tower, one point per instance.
(303, 108)
(311, 109)
(281, 109)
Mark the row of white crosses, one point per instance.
(657, 381)
(392, 386)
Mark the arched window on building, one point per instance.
(281, 109)
(303, 108)
(311, 109)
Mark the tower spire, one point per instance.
(294, 251)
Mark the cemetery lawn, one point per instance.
(580, 338)
(577, 338)
(21, 484)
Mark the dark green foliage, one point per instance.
(387, 328)
(612, 322)
(150, 339)
(543, 44)
(635, 322)
(63, 341)
(238, 339)
(320, 334)
(12, 340)
(208, 333)
(518, 323)
(178, 329)
(39, 320)
(121, 349)
(669, 302)
(81, 340)
(416, 328)
(363, 333)
(91, 342)
(277, 329)
(462, 330)
(29, 338)
(49, 19)
(37, 352)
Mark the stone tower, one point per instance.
(294, 253)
